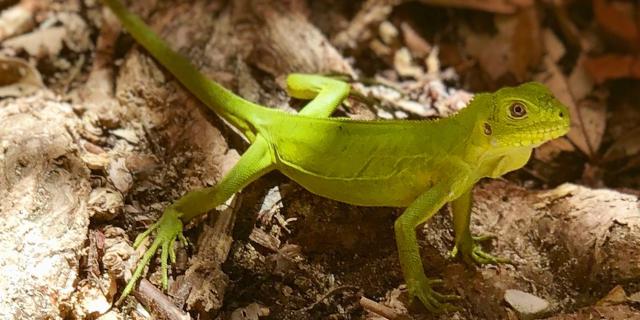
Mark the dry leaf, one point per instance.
(617, 23)
(615, 296)
(515, 49)
(495, 6)
(388, 32)
(552, 45)
(593, 118)
(418, 46)
(526, 49)
(39, 43)
(403, 63)
(18, 78)
(550, 150)
(580, 83)
(489, 52)
(624, 146)
(613, 66)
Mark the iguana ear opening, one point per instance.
(487, 129)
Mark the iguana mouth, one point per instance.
(541, 133)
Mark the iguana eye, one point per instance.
(518, 110)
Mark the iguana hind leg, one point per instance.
(327, 93)
(255, 162)
(466, 244)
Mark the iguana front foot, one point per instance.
(471, 250)
(168, 229)
(434, 302)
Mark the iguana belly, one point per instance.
(361, 163)
(371, 174)
(393, 191)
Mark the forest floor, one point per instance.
(96, 139)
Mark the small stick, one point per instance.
(157, 301)
(381, 309)
(328, 294)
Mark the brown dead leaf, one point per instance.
(490, 53)
(592, 115)
(613, 66)
(617, 23)
(580, 82)
(615, 296)
(418, 46)
(550, 150)
(494, 6)
(526, 49)
(515, 49)
(552, 45)
(624, 146)
(18, 78)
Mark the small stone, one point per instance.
(527, 305)
(388, 32)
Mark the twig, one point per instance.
(157, 301)
(381, 309)
(327, 295)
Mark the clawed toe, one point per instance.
(484, 237)
(482, 257)
(168, 229)
(472, 252)
(434, 301)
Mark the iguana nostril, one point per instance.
(561, 114)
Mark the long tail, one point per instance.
(229, 106)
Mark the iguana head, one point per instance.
(526, 115)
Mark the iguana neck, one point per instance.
(480, 105)
(478, 149)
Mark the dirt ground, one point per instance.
(96, 139)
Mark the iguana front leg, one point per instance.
(468, 245)
(417, 213)
(255, 162)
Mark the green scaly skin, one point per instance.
(420, 165)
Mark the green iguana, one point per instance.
(418, 164)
